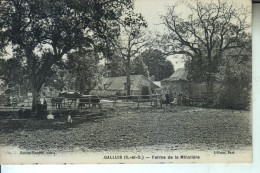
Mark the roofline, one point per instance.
(122, 76)
(175, 72)
(149, 80)
(166, 80)
(140, 75)
(137, 82)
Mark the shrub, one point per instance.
(234, 96)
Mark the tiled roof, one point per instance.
(180, 74)
(118, 83)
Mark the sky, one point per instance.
(153, 9)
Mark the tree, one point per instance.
(43, 31)
(115, 66)
(139, 67)
(9, 74)
(157, 64)
(83, 66)
(205, 35)
(236, 79)
(59, 79)
(130, 41)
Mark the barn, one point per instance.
(140, 85)
(176, 83)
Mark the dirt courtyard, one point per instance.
(185, 128)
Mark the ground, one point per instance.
(185, 128)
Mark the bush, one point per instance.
(234, 96)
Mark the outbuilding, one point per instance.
(177, 83)
(140, 85)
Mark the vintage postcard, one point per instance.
(125, 81)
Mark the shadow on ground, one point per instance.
(10, 122)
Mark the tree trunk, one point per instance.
(209, 86)
(81, 86)
(128, 81)
(37, 83)
(36, 96)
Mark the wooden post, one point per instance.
(161, 100)
(138, 101)
(89, 100)
(114, 102)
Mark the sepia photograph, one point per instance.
(125, 81)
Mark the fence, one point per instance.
(134, 100)
(81, 102)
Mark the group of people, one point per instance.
(174, 98)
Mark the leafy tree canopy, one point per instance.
(157, 64)
(43, 31)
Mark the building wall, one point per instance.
(143, 82)
(189, 90)
(200, 90)
(135, 92)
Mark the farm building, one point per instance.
(140, 85)
(199, 90)
(178, 83)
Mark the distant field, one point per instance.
(184, 127)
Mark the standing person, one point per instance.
(181, 98)
(167, 98)
(38, 106)
(44, 107)
(174, 99)
(178, 98)
(184, 100)
(171, 96)
(44, 104)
